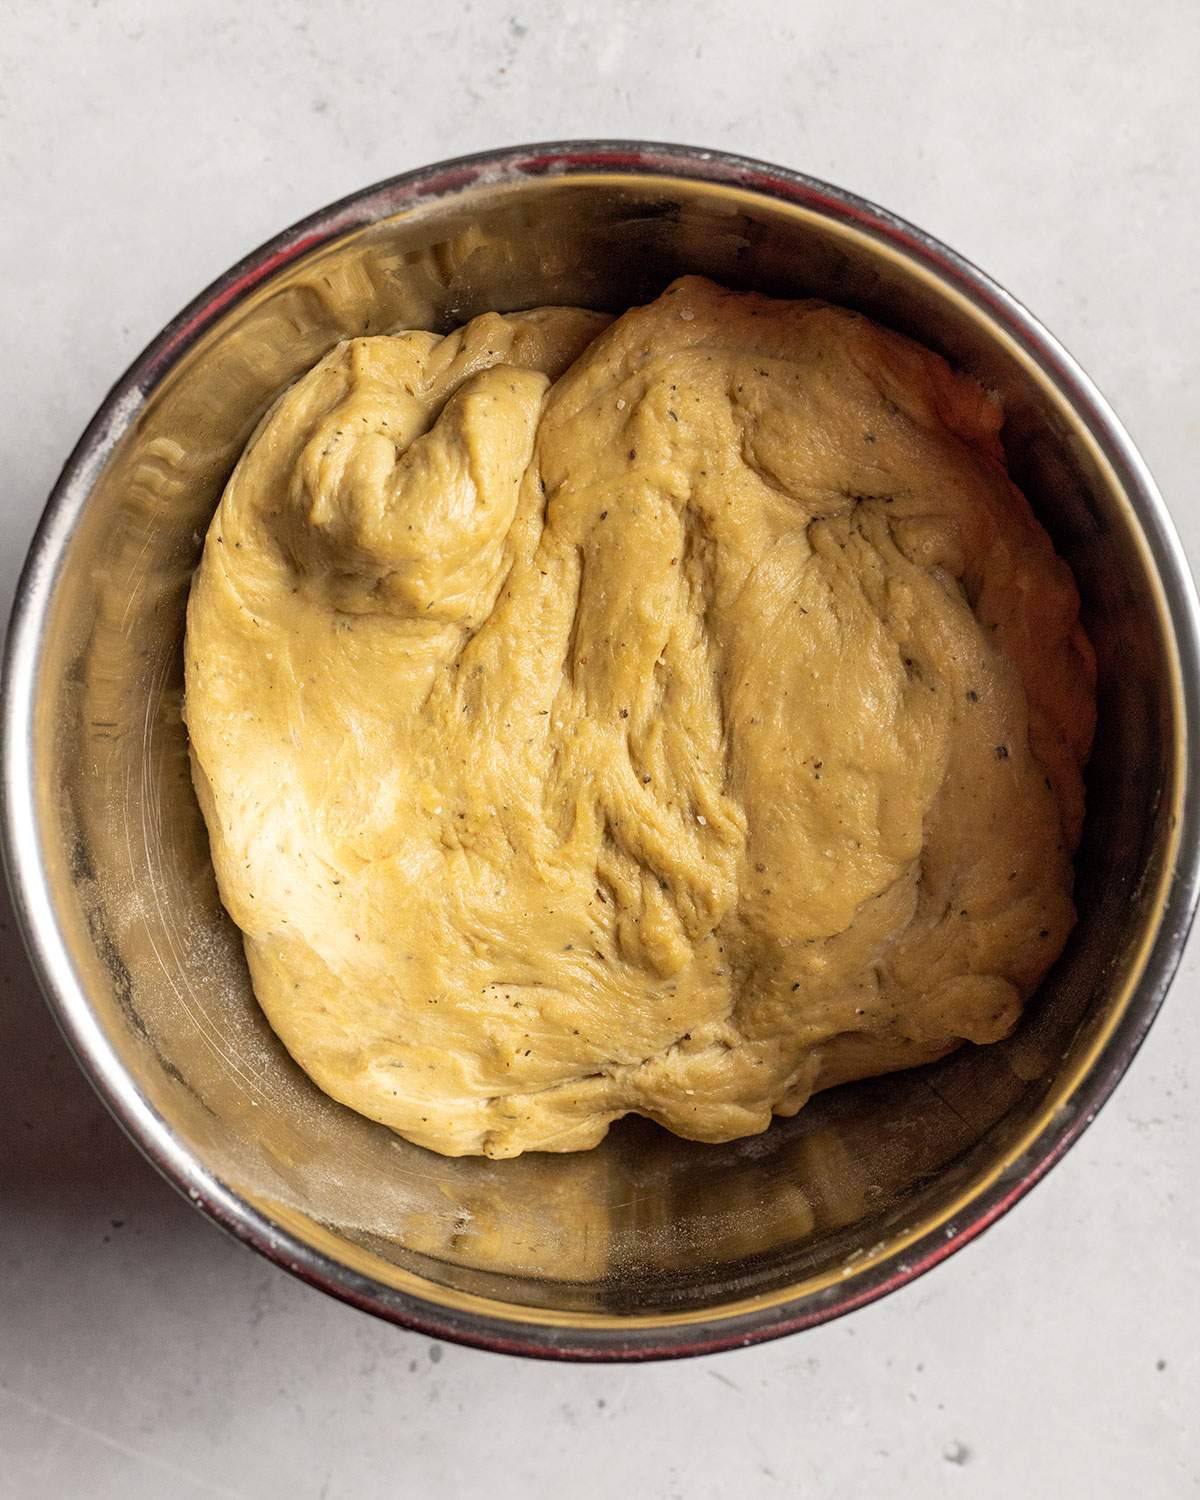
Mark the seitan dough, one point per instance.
(673, 715)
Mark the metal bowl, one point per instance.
(648, 1245)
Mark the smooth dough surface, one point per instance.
(674, 715)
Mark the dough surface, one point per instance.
(674, 715)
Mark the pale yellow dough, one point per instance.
(672, 716)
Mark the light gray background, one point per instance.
(143, 148)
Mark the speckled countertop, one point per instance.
(143, 148)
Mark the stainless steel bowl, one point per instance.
(648, 1245)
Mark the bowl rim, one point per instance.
(483, 1326)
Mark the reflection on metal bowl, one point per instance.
(647, 1245)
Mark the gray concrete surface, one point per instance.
(143, 147)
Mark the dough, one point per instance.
(672, 716)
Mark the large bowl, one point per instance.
(647, 1245)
